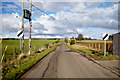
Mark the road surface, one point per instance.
(66, 63)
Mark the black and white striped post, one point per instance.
(20, 34)
(105, 37)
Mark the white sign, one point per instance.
(105, 36)
(20, 33)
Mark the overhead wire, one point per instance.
(44, 13)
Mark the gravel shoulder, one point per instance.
(113, 64)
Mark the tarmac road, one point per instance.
(66, 63)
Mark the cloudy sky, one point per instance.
(92, 19)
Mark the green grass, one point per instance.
(94, 41)
(13, 70)
(36, 44)
(108, 57)
(98, 56)
(84, 50)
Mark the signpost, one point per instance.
(27, 15)
(105, 37)
(30, 25)
(20, 33)
(22, 27)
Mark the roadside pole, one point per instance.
(105, 37)
(30, 25)
(74, 35)
(104, 47)
(20, 45)
(22, 41)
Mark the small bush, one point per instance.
(57, 41)
(66, 40)
(72, 42)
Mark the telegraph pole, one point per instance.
(22, 41)
(30, 25)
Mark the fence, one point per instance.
(10, 52)
(96, 46)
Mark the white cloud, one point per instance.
(10, 22)
(47, 36)
(89, 17)
(79, 7)
(69, 16)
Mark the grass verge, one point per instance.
(96, 54)
(18, 67)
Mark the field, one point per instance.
(14, 68)
(15, 44)
(94, 41)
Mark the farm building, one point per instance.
(116, 43)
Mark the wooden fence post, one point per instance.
(102, 48)
(92, 45)
(96, 46)
(99, 46)
(88, 45)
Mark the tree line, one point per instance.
(80, 37)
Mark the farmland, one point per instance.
(14, 70)
(18, 66)
(94, 41)
(15, 44)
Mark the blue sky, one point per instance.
(91, 19)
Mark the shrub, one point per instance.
(66, 40)
(57, 41)
(72, 42)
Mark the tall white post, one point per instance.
(104, 47)
(30, 25)
(22, 41)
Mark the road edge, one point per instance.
(19, 77)
(102, 65)
(93, 60)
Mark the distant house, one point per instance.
(116, 43)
